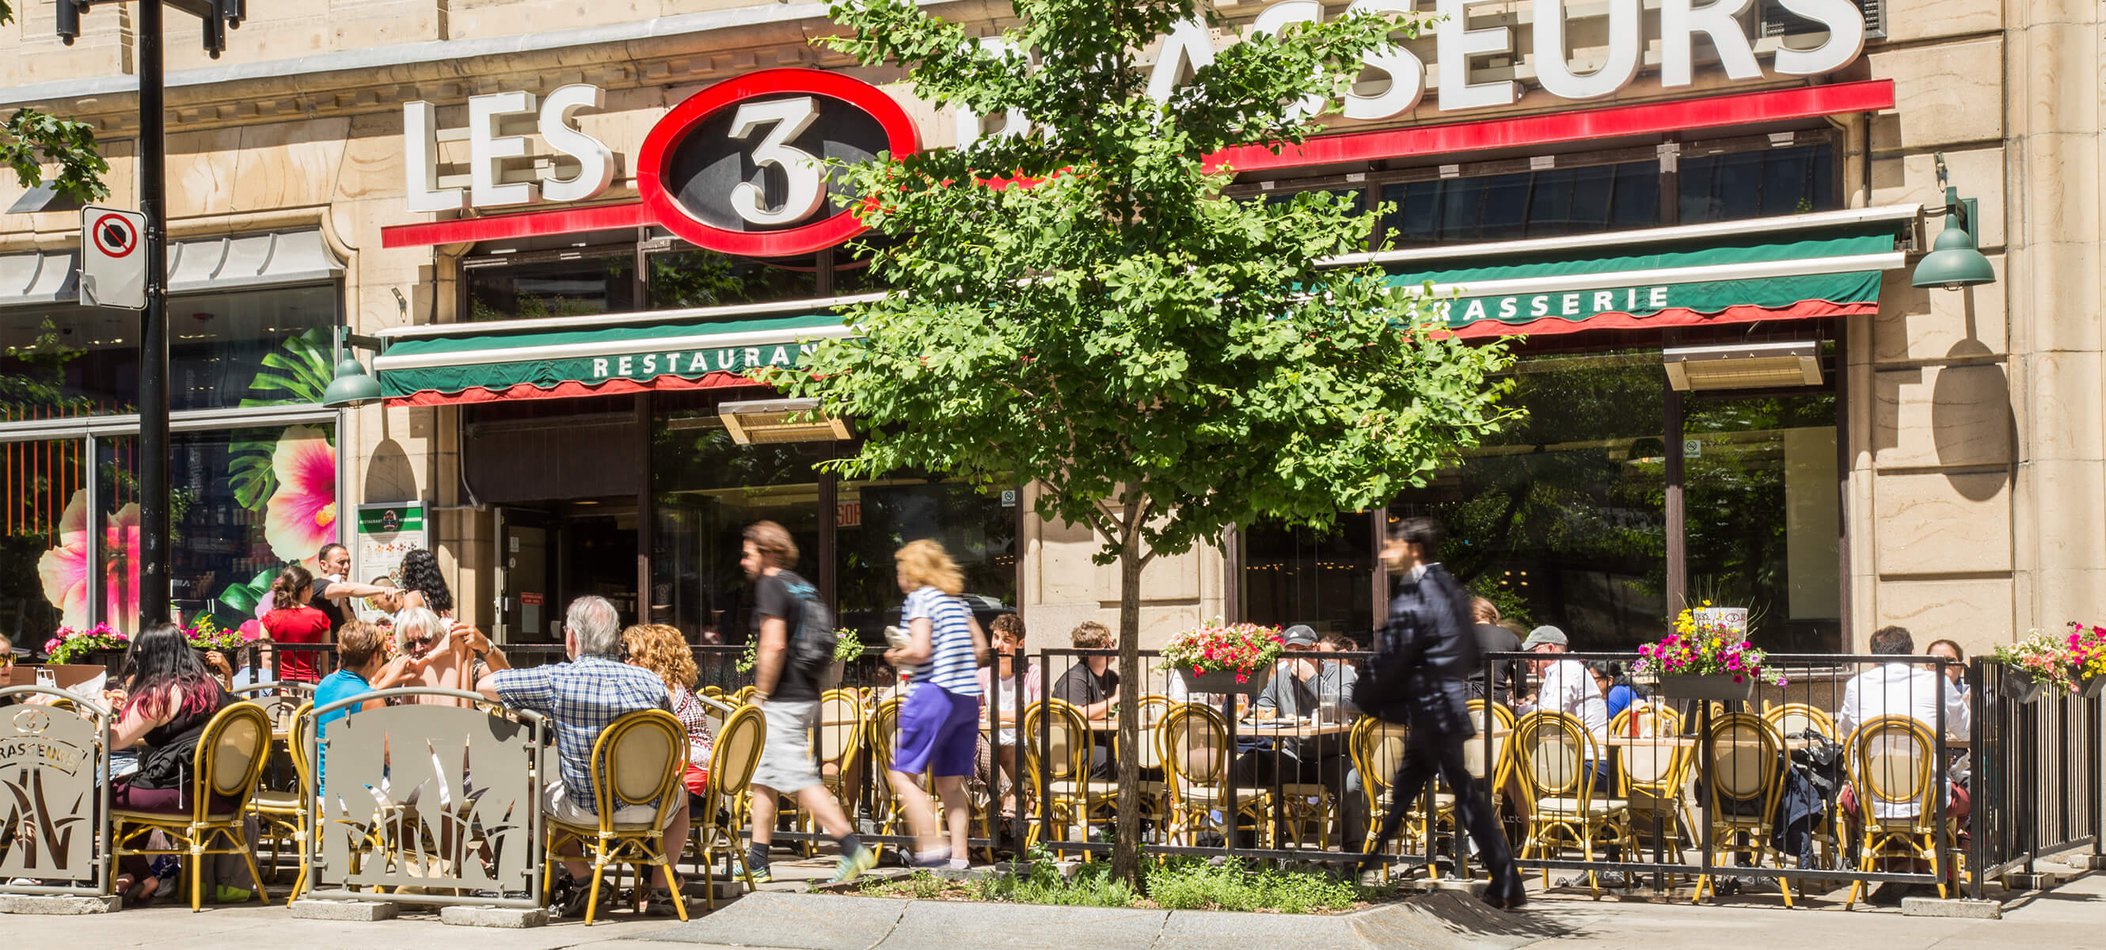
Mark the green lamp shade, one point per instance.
(1953, 262)
(351, 387)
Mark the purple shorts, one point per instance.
(938, 732)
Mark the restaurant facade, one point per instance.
(558, 236)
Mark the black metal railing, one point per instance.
(2036, 773)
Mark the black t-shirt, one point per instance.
(1493, 638)
(772, 598)
(1081, 687)
(338, 614)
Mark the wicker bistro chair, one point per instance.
(637, 760)
(1894, 766)
(282, 813)
(1747, 776)
(1493, 773)
(720, 815)
(1072, 798)
(1793, 719)
(225, 769)
(887, 812)
(1553, 752)
(1654, 776)
(839, 738)
(1193, 747)
(1155, 793)
(1377, 748)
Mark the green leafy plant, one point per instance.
(749, 657)
(1164, 360)
(848, 646)
(297, 371)
(1198, 885)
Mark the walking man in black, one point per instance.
(1422, 657)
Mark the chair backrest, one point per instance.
(1646, 718)
(1151, 709)
(1793, 719)
(229, 758)
(638, 760)
(296, 740)
(1377, 748)
(743, 695)
(1746, 761)
(1192, 744)
(737, 753)
(1551, 754)
(882, 735)
(1892, 761)
(1499, 722)
(840, 729)
(1067, 751)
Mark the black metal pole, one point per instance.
(152, 457)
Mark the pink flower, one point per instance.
(301, 515)
(251, 630)
(63, 570)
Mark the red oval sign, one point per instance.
(734, 167)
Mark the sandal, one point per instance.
(660, 904)
(610, 899)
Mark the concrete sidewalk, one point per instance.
(2072, 916)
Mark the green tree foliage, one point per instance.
(1082, 308)
(31, 139)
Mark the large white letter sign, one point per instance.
(1407, 73)
(1278, 17)
(807, 181)
(1680, 22)
(968, 123)
(595, 162)
(1458, 44)
(420, 161)
(1189, 42)
(1846, 37)
(487, 150)
(1554, 70)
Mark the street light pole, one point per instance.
(152, 457)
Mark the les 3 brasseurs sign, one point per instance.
(739, 166)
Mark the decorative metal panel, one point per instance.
(54, 811)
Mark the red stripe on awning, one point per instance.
(572, 389)
(1674, 317)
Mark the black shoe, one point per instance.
(1508, 894)
(610, 899)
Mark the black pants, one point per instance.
(1429, 750)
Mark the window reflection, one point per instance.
(1323, 578)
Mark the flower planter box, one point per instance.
(2092, 687)
(2020, 686)
(1224, 681)
(1709, 687)
(831, 679)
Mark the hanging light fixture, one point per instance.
(1954, 261)
(352, 385)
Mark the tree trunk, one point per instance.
(1126, 845)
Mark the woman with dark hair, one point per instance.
(295, 620)
(1617, 690)
(169, 698)
(423, 585)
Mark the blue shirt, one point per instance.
(1619, 699)
(342, 684)
(583, 697)
(950, 663)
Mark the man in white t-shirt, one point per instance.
(1564, 685)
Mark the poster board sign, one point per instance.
(1733, 620)
(387, 532)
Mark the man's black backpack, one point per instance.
(812, 639)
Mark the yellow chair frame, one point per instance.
(1732, 736)
(845, 739)
(1072, 797)
(731, 765)
(614, 786)
(1912, 836)
(1803, 716)
(1565, 809)
(1197, 790)
(226, 766)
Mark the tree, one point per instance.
(1082, 307)
(32, 139)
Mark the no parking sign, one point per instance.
(112, 258)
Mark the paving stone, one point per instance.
(311, 909)
(503, 918)
(56, 905)
(790, 921)
(1212, 930)
(1965, 909)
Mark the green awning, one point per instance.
(1662, 277)
(532, 359)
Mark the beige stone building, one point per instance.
(566, 227)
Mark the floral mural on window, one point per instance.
(66, 568)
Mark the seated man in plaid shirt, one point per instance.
(583, 697)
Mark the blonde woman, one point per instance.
(662, 650)
(939, 729)
(455, 655)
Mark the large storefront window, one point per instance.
(873, 519)
(603, 280)
(1561, 519)
(1321, 578)
(243, 503)
(37, 480)
(226, 350)
(1547, 203)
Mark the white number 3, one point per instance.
(807, 183)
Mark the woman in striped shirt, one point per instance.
(939, 728)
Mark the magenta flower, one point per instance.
(301, 515)
(63, 570)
